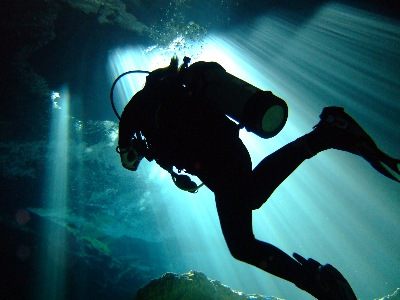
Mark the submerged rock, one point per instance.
(191, 286)
(109, 12)
(197, 286)
(394, 296)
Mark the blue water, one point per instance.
(130, 227)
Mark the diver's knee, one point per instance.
(240, 252)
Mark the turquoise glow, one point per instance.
(51, 282)
(335, 207)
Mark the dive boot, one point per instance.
(324, 282)
(340, 131)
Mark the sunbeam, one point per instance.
(52, 281)
(92, 206)
(335, 208)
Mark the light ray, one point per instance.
(335, 208)
(52, 259)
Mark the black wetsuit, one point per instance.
(190, 134)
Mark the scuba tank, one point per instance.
(260, 112)
(138, 141)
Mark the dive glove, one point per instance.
(130, 159)
(324, 282)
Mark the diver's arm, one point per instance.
(132, 118)
(128, 125)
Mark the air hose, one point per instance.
(183, 182)
(113, 86)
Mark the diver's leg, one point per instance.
(336, 130)
(236, 224)
(323, 282)
(276, 167)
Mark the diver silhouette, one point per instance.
(178, 120)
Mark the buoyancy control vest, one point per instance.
(260, 112)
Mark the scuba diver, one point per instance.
(179, 119)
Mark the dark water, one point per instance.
(76, 225)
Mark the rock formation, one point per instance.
(191, 286)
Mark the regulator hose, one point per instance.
(183, 182)
(113, 86)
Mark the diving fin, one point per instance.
(340, 131)
(324, 282)
(384, 164)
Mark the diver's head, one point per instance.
(162, 72)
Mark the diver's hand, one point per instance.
(324, 282)
(129, 158)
